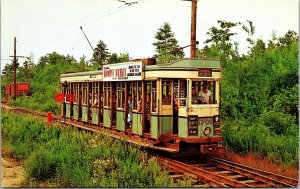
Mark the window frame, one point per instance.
(214, 95)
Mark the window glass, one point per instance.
(148, 99)
(182, 92)
(166, 93)
(94, 101)
(153, 96)
(203, 92)
(85, 94)
(139, 97)
(106, 94)
(134, 96)
(120, 94)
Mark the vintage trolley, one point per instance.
(175, 107)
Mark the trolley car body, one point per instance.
(167, 111)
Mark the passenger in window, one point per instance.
(205, 95)
(195, 97)
(148, 104)
(95, 102)
(139, 104)
(129, 116)
(114, 103)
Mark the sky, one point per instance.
(44, 26)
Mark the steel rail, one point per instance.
(261, 175)
(203, 174)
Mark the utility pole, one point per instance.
(15, 69)
(193, 28)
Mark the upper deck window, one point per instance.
(203, 92)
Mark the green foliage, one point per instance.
(78, 159)
(260, 100)
(242, 137)
(221, 44)
(101, 54)
(115, 58)
(45, 82)
(165, 44)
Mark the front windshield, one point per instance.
(203, 92)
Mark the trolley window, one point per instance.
(182, 92)
(84, 94)
(153, 96)
(120, 94)
(166, 92)
(137, 95)
(94, 101)
(203, 92)
(106, 94)
(76, 92)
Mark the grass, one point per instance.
(71, 158)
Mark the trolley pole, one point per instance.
(15, 68)
(193, 28)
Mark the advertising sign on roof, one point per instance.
(123, 72)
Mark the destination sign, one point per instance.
(123, 72)
(204, 72)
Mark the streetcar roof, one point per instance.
(187, 64)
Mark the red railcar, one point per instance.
(22, 89)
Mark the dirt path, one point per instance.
(12, 173)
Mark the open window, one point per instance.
(106, 94)
(182, 92)
(166, 93)
(94, 100)
(84, 94)
(153, 96)
(203, 92)
(120, 94)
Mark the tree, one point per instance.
(221, 38)
(166, 45)
(250, 30)
(83, 63)
(100, 54)
(115, 58)
(28, 67)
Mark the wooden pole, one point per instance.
(193, 28)
(15, 69)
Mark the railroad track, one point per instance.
(213, 172)
(216, 172)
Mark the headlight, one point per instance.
(206, 130)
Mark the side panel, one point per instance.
(137, 124)
(95, 115)
(183, 127)
(106, 117)
(166, 123)
(68, 112)
(120, 120)
(84, 113)
(154, 127)
(75, 111)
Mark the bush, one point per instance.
(80, 159)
